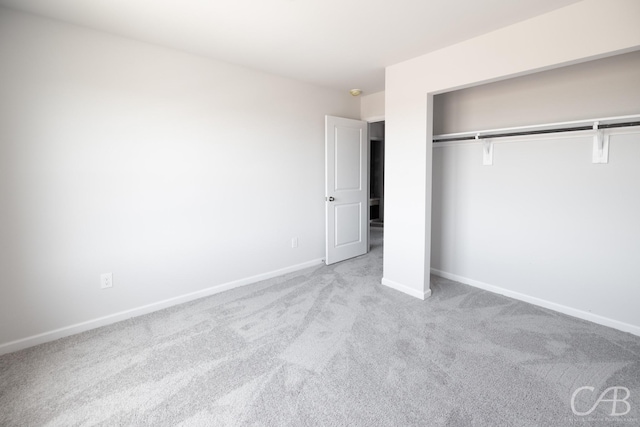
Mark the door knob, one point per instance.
(331, 199)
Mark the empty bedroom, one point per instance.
(305, 212)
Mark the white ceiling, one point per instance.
(342, 44)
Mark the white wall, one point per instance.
(544, 223)
(601, 88)
(565, 36)
(372, 107)
(177, 173)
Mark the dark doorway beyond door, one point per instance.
(376, 180)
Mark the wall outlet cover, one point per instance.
(106, 280)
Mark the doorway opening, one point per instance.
(376, 174)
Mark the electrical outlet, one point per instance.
(294, 242)
(106, 280)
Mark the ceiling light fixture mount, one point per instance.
(355, 92)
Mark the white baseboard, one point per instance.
(580, 314)
(405, 289)
(66, 331)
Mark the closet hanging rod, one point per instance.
(552, 128)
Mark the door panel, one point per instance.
(346, 187)
(346, 215)
(348, 151)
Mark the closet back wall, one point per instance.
(606, 87)
(544, 224)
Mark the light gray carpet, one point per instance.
(328, 346)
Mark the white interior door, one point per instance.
(346, 188)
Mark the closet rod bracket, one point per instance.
(600, 145)
(487, 151)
